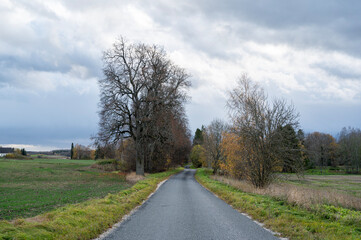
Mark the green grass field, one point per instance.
(31, 187)
(85, 220)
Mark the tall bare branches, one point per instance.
(142, 88)
(258, 123)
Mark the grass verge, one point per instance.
(303, 192)
(84, 220)
(292, 221)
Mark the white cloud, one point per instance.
(30, 147)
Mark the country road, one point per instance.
(183, 209)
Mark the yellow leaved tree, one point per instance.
(232, 149)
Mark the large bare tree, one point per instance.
(141, 87)
(258, 122)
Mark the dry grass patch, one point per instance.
(36, 219)
(133, 177)
(298, 195)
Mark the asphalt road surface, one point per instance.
(183, 209)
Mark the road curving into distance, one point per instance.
(183, 209)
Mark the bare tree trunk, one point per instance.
(139, 166)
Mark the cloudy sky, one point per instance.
(307, 52)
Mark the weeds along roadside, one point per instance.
(84, 220)
(291, 220)
(298, 195)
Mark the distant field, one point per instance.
(44, 160)
(350, 184)
(327, 171)
(309, 190)
(30, 187)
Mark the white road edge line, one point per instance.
(125, 217)
(276, 234)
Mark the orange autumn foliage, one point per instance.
(232, 150)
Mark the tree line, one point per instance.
(263, 139)
(324, 150)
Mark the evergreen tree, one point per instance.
(198, 137)
(23, 152)
(72, 151)
(292, 157)
(301, 136)
(97, 151)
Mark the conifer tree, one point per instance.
(72, 151)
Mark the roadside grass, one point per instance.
(84, 220)
(31, 187)
(317, 221)
(305, 194)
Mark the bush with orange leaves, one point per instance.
(241, 161)
(232, 151)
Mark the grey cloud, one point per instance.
(61, 138)
(203, 114)
(282, 14)
(35, 7)
(84, 5)
(43, 44)
(328, 117)
(48, 59)
(48, 118)
(327, 24)
(33, 62)
(342, 72)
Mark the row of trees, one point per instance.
(82, 152)
(262, 140)
(324, 150)
(142, 106)
(306, 151)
